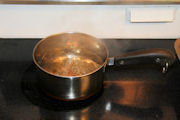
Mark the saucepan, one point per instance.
(71, 65)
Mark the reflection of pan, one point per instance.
(71, 65)
(119, 112)
(140, 94)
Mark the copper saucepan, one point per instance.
(71, 65)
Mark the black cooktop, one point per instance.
(133, 93)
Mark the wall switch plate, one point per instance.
(152, 15)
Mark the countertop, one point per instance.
(135, 93)
(90, 2)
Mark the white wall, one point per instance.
(102, 21)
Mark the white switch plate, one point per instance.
(146, 15)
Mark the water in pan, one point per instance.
(69, 65)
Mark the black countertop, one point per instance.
(133, 93)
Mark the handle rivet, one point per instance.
(121, 62)
(158, 60)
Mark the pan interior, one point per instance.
(70, 54)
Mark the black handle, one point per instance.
(156, 56)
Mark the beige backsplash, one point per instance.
(102, 21)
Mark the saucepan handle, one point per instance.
(157, 56)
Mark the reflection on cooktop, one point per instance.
(118, 99)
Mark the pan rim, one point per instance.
(71, 77)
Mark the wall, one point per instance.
(102, 21)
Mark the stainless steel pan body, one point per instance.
(70, 65)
